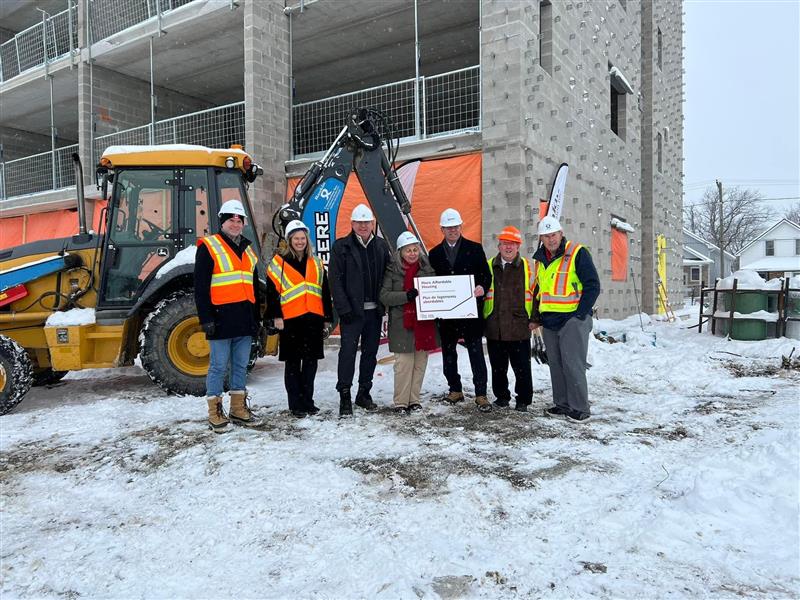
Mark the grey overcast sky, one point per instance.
(742, 63)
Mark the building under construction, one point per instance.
(490, 96)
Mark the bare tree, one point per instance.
(793, 213)
(745, 215)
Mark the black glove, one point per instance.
(209, 328)
(580, 317)
(346, 318)
(411, 294)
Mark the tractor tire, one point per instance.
(47, 376)
(174, 350)
(16, 374)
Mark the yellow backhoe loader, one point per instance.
(100, 299)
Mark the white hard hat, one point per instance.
(232, 207)
(362, 213)
(548, 225)
(406, 239)
(450, 218)
(294, 226)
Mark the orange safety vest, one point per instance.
(299, 295)
(232, 277)
(560, 289)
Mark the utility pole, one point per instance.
(721, 229)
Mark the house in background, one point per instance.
(701, 263)
(774, 253)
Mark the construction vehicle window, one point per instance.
(231, 187)
(142, 221)
(195, 205)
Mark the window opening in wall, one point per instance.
(619, 249)
(797, 247)
(769, 247)
(546, 36)
(619, 88)
(660, 48)
(695, 276)
(659, 152)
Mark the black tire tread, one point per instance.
(153, 354)
(19, 373)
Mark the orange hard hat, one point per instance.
(510, 234)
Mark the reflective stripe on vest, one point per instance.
(560, 289)
(232, 277)
(299, 295)
(530, 278)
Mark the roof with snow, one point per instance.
(696, 258)
(774, 263)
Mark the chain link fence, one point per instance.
(449, 103)
(217, 127)
(42, 172)
(39, 44)
(112, 16)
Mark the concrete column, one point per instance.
(649, 250)
(267, 95)
(85, 109)
(506, 36)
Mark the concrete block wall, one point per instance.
(563, 116)
(121, 102)
(16, 143)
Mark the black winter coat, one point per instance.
(301, 337)
(470, 260)
(347, 274)
(230, 320)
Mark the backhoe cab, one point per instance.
(100, 299)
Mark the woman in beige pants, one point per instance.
(409, 338)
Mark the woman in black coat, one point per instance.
(301, 321)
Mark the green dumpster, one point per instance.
(749, 329)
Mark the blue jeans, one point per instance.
(235, 351)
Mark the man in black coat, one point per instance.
(358, 262)
(457, 255)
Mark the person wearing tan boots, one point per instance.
(409, 338)
(228, 299)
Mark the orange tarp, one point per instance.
(441, 183)
(619, 255)
(45, 226)
(12, 232)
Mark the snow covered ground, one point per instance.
(684, 484)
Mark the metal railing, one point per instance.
(50, 170)
(112, 16)
(447, 103)
(217, 127)
(40, 44)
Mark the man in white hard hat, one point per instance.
(229, 313)
(456, 255)
(358, 262)
(568, 287)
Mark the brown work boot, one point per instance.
(217, 421)
(483, 403)
(454, 397)
(240, 413)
